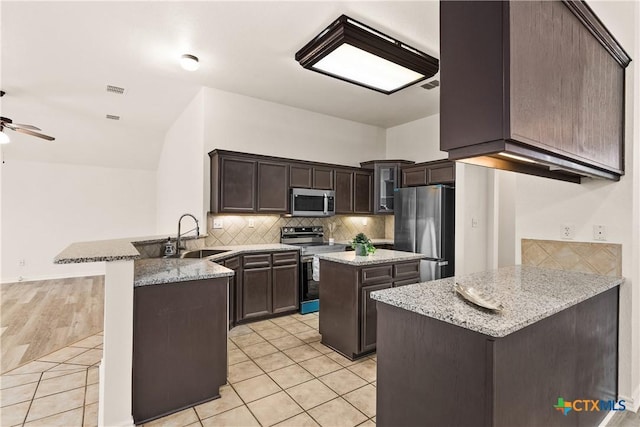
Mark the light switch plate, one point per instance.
(217, 223)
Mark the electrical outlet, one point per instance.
(217, 223)
(22, 263)
(599, 232)
(568, 231)
(474, 222)
(252, 223)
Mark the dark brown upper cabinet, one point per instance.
(309, 176)
(344, 191)
(386, 178)
(273, 187)
(535, 87)
(363, 190)
(242, 183)
(429, 173)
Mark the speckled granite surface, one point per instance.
(379, 257)
(528, 294)
(123, 249)
(373, 241)
(234, 250)
(169, 270)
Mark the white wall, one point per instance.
(418, 140)
(241, 123)
(543, 205)
(47, 206)
(180, 171)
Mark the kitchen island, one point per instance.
(347, 313)
(444, 361)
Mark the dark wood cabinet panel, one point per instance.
(415, 176)
(273, 187)
(237, 185)
(256, 292)
(300, 175)
(344, 191)
(285, 258)
(234, 282)
(429, 173)
(323, 178)
(363, 192)
(539, 80)
(285, 288)
(368, 322)
(179, 344)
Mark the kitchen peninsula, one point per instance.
(444, 361)
(122, 275)
(347, 313)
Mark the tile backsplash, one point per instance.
(266, 228)
(597, 258)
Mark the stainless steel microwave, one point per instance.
(307, 202)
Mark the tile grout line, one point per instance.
(26, 415)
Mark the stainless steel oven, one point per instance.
(311, 242)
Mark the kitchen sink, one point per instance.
(201, 253)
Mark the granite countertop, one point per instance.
(242, 249)
(123, 249)
(373, 242)
(528, 294)
(157, 271)
(380, 256)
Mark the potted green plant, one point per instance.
(362, 245)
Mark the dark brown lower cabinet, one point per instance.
(432, 373)
(233, 264)
(347, 313)
(256, 292)
(179, 346)
(268, 285)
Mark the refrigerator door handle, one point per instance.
(442, 263)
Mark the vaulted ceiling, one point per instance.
(58, 58)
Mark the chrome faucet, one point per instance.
(178, 247)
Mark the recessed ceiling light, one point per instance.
(189, 62)
(354, 52)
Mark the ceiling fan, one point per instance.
(6, 122)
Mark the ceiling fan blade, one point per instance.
(18, 125)
(39, 135)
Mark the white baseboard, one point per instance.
(51, 277)
(632, 402)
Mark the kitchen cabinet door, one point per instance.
(285, 288)
(323, 178)
(237, 183)
(442, 173)
(368, 325)
(256, 292)
(273, 187)
(300, 175)
(344, 191)
(415, 176)
(362, 193)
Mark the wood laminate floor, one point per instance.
(40, 317)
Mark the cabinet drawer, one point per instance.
(406, 270)
(256, 261)
(233, 263)
(377, 274)
(284, 258)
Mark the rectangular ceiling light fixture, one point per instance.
(353, 52)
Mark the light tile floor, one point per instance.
(279, 374)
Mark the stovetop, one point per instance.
(310, 240)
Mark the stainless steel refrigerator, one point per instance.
(425, 223)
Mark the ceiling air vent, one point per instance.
(432, 84)
(115, 89)
(112, 117)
